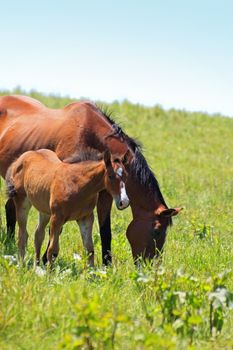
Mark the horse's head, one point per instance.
(147, 232)
(161, 221)
(115, 178)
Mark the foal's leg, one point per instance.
(10, 218)
(22, 208)
(39, 235)
(44, 258)
(85, 226)
(104, 210)
(55, 229)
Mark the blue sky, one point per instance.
(173, 53)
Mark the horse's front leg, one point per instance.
(85, 226)
(44, 258)
(104, 206)
(55, 229)
(40, 234)
(10, 218)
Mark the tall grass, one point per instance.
(179, 305)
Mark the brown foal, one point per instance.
(62, 192)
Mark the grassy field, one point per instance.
(186, 303)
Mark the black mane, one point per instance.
(140, 169)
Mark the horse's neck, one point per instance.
(94, 176)
(101, 129)
(142, 202)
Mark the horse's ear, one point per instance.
(107, 158)
(126, 157)
(170, 212)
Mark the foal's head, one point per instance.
(115, 179)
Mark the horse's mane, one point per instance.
(84, 155)
(140, 169)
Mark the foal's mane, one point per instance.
(84, 155)
(140, 169)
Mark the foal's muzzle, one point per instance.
(122, 201)
(122, 204)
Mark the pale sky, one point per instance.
(173, 53)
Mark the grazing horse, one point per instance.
(62, 192)
(26, 124)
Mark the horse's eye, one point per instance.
(111, 177)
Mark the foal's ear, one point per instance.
(107, 158)
(126, 157)
(166, 213)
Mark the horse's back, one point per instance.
(43, 159)
(14, 104)
(28, 104)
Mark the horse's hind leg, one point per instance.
(10, 218)
(22, 208)
(39, 235)
(104, 206)
(85, 226)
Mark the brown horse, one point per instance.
(26, 124)
(61, 192)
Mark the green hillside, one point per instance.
(187, 302)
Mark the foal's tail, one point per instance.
(10, 187)
(15, 176)
(10, 190)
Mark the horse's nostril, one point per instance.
(120, 203)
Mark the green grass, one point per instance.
(121, 307)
